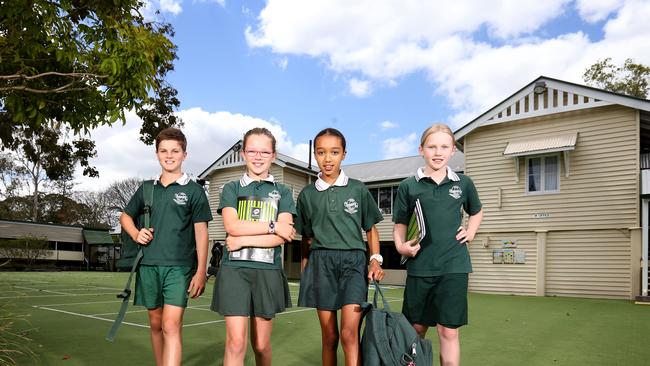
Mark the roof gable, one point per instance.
(556, 96)
(232, 158)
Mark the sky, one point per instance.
(379, 71)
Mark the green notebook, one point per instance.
(416, 228)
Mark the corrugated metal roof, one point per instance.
(396, 169)
(98, 237)
(541, 145)
(61, 233)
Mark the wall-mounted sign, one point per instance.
(508, 243)
(541, 215)
(508, 256)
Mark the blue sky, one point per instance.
(380, 71)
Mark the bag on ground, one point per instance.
(389, 339)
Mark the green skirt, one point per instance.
(250, 292)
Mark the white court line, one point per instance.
(30, 281)
(66, 289)
(83, 303)
(29, 296)
(101, 288)
(126, 312)
(39, 290)
(284, 313)
(88, 316)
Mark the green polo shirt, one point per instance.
(440, 252)
(335, 216)
(174, 211)
(244, 188)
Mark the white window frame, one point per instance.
(376, 197)
(542, 175)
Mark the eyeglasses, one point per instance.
(253, 153)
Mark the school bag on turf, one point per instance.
(131, 255)
(389, 339)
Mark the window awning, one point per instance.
(541, 145)
(98, 237)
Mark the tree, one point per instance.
(120, 192)
(27, 248)
(631, 78)
(68, 66)
(11, 176)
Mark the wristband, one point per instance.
(378, 258)
(271, 227)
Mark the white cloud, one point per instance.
(359, 88)
(388, 125)
(398, 38)
(283, 63)
(398, 147)
(221, 3)
(164, 6)
(597, 10)
(121, 154)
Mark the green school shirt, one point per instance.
(440, 252)
(247, 188)
(335, 216)
(174, 211)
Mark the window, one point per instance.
(384, 197)
(543, 174)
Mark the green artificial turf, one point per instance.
(63, 308)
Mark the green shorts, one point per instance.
(250, 292)
(334, 278)
(156, 286)
(436, 300)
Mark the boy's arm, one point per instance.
(402, 246)
(374, 268)
(467, 235)
(236, 227)
(142, 236)
(234, 242)
(197, 285)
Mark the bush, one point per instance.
(14, 342)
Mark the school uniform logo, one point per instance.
(351, 206)
(274, 194)
(180, 198)
(455, 192)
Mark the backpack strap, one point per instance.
(383, 299)
(125, 295)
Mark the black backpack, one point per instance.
(129, 250)
(215, 259)
(131, 255)
(389, 339)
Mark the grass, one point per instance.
(70, 313)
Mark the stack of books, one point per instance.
(416, 229)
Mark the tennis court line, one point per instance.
(65, 289)
(283, 313)
(87, 316)
(39, 290)
(55, 295)
(82, 303)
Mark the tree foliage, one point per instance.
(28, 249)
(54, 208)
(632, 78)
(68, 66)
